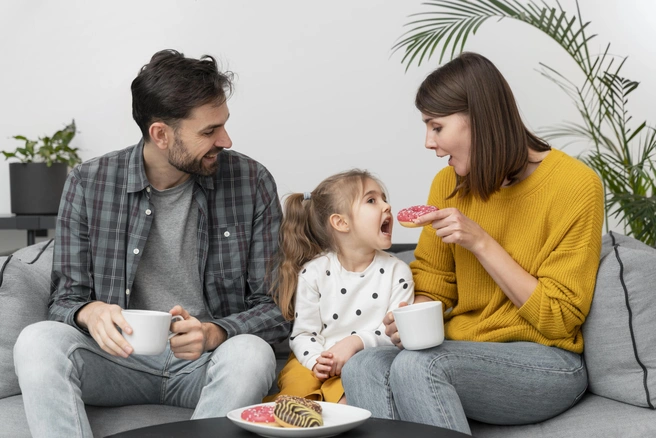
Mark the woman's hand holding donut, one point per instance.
(454, 227)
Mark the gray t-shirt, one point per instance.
(168, 270)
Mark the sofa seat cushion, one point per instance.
(620, 330)
(592, 416)
(104, 421)
(12, 416)
(24, 293)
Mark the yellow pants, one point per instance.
(295, 379)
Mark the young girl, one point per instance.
(335, 281)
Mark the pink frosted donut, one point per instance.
(261, 414)
(407, 215)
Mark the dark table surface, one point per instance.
(223, 427)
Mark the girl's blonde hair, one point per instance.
(306, 232)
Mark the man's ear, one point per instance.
(339, 223)
(161, 134)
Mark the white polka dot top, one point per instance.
(333, 303)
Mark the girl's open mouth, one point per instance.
(385, 228)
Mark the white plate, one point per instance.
(336, 419)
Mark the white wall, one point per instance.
(317, 89)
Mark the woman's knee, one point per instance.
(369, 362)
(415, 367)
(355, 365)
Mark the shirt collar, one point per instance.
(137, 179)
(206, 182)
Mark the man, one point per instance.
(176, 223)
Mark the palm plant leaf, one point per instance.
(566, 130)
(629, 178)
(456, 14)
(639, 210)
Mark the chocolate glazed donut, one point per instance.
(292, 414)
(300, 400)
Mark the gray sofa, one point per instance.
(620, 336)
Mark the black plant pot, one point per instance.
(36, 188)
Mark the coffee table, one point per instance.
(224, 428)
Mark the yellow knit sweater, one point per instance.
(550, 223)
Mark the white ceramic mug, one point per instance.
(150, 330)
(420, 325)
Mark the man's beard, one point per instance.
(180, 158)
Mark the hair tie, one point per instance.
(307, 195)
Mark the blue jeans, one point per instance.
(60, 370)
(497, 383)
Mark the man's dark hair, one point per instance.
(170, 86)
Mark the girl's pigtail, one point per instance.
(297, 247)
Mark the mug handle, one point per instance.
(173, 319)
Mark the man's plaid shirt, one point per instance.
(103, 224)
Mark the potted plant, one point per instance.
(622, 152)
(37, 180)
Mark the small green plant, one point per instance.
(54, 149)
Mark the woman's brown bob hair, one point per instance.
(472, 85)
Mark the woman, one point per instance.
(512, 253)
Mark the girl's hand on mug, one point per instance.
(390, 327)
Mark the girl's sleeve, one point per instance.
(305, 341)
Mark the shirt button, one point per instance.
(127, 291)
(148, 189)
(149, 212)
(227, 234)
(136, 250)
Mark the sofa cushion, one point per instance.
(592, 416)
(104, 420)
(406, 256)
(13, 418)
(24, 293)
(620, 331)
